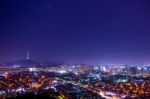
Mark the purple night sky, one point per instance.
(75, 31)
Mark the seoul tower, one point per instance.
(27, 55)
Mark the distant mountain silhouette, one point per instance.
(30, 63)
(23, 63)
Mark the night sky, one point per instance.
(75, 31)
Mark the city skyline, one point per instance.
(75, 31)
(74, 49)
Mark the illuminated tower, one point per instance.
(27, 55)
